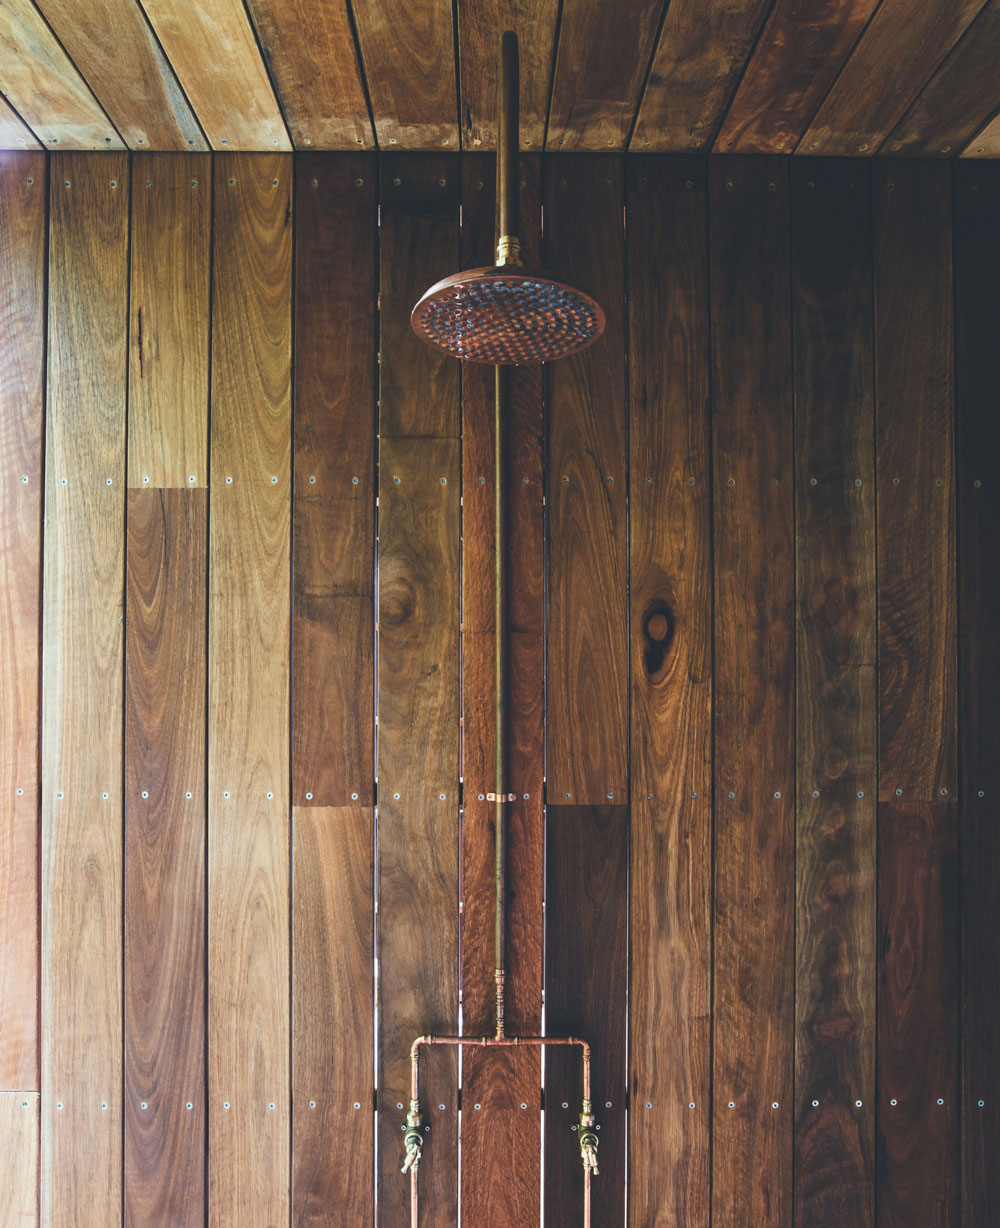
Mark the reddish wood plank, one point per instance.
(333, 996)
(916, 517)
(917, 1015)
(671, 621)
(587, 676)
(836, 714)
(165, 662)
(22, 366)
(333, 572)
(754, 692)
(19, 1113)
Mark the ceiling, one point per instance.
(836, 77)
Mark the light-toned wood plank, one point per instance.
(985, 144)
(408, 52)
(698, 60)
(214, 53)
(41, 82)
(22, 367)
(248, 773)
(14, 133)
(82, 657)
(309, 48)
(168, 339)
(901, 47)
(112, 45)
(19, 1159)
(479, 28)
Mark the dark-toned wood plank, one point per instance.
(977, 320)
(309, 49)
(82, 692)
(985, 144)
(479, 28)
(916, 495)
(22, 366)
(41, 82)
(587, 676)
(899, 50)
(696, 65)
(917, 1015)
(671, 623)
(408, 52)
(128, 71)
(754, 692)
(586, 903)
(601, 60)
(418, 745)
(836, 716)
(165, 662)
(169, 309)
(333, 996)
(19, 1113)
(248, 629)
(214, 53)
(333, 573)
(13, 133)
(793, 65)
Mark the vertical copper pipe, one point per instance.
(502, 386)
(508, 216)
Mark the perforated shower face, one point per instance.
(507, 315)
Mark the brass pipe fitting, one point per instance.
(588, 1138)
(413, 1139)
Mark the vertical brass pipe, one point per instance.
(508, 218)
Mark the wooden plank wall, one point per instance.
(246, 635)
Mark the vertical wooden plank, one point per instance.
(168, 310)
(671, 628)
(587, 712)
(977, 392)
(835, 709)
(917, 1007)
(82, 652)
(248, 630)
(586, 906)
(19, 1135)
(165, 661)
(22, 365)
(754, 693)
(418, 749)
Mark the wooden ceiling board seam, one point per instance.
(11, 126)
(985, 144)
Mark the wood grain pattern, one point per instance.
(899, 50)
(332, 996)
(13, 133)
(214, 53)
(309, 49)
(248, 630)
(128, 72)
(333, 572)
(671, 590)
(600, 65)
(169, 321)
(408, 54)
(977, 317)
(793, 65)
(915, 471)
(418, 744)
(985, 144)
(917, 1015)
(22, 368)
(19, 1159)
(586, 904)
(165, 662)
(82, 692)
(836, 714)
(697, 62)
(587, 695)
(754, 692)
(41, 82)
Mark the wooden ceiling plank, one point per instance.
(791, 69)
(408, 51)
(959, 98)
(601, 62)
(128, 71)
(985, 144)
(699, 57)
(309, 47)
(214, 53)
(900, 49)
(43, 85)
(480, 24)
(14, 133)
